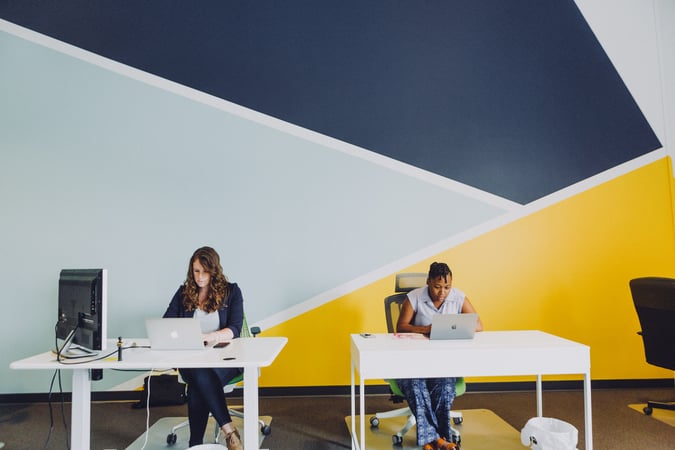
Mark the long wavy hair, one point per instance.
(218, 286)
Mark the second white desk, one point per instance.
(490, 353)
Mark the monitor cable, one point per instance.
(147, 410)
(57, 373)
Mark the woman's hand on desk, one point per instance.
(218, 336)
(419, 329)
(210, 338)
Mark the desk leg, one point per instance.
(250, 408)
(80, 417)
(588, 426)
(539, 397)
(362, 411)
(353, 418)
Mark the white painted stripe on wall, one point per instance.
(460, 238)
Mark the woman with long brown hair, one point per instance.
(209, 297)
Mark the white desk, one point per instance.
(490, 353)
(249, 353)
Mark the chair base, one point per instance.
(659, 405)
(265, 429)
(171, 438)
(481, 429)
(397, 439)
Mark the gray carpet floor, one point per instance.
(318, 422)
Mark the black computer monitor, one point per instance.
(82, 314)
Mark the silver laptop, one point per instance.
(174, 334)
(453, 326)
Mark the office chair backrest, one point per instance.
(245, 330)
(654, 300)
(392, 309)
(405, 282)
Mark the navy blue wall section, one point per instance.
(516, 98)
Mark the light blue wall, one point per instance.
(100, 169)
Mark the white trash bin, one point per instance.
(546, 433)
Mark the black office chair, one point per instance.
(654, 300)
(406, 282)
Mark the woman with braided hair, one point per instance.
(209, 297)
(430, 399)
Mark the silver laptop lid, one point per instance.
(453, 326)
(174, 334)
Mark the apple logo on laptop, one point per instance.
(174, 334)
(454, 327)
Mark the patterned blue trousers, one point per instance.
(430, 400)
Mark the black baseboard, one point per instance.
(379, 389)
(477, 387)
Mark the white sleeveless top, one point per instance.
(424, 308)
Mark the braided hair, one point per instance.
(437, 270)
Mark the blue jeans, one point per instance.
(430, 400)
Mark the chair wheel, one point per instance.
(457, 420)
(396, 439)
(647, 410)
(171, 438)
(374, 422)
(266, 430)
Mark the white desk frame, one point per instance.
(249, 353)
(490, 353)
